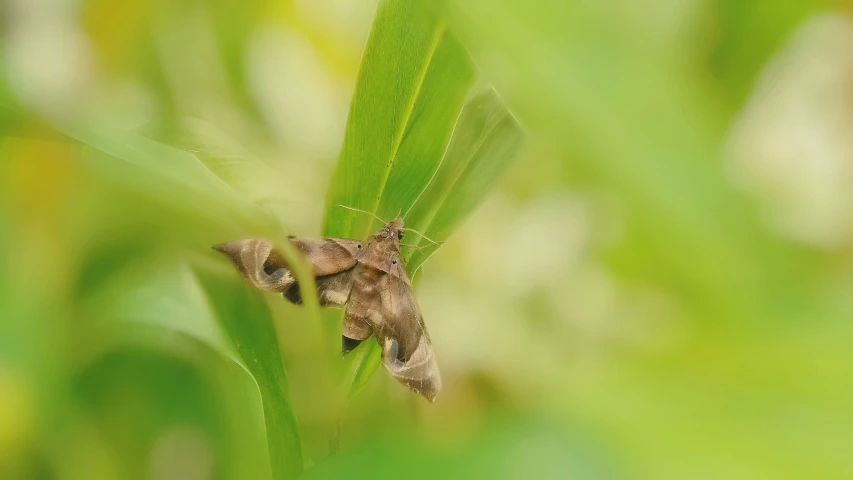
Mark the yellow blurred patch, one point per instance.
(17, 427)
(39, 175)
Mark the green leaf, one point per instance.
(362, 362)
(176, 176)
(206, 194)
(229, 160)
(486, 140)
(410, 89)
(249, 323)
(146, 382)
(219, 312)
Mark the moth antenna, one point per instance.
(362, 211)
(422, 235)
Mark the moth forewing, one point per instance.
(264, 267)
(328, 255)
(420, 372)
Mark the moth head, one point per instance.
(393, 229)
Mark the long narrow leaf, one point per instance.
(249, 324)
(411, 87)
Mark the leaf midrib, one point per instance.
(398, 139)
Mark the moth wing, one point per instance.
(328, 255)
(264, 267)
(332, 290)
(385, 303)
(259, 264)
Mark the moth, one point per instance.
(369, 280)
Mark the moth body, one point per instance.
(366, 278)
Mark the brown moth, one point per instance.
(370, 280)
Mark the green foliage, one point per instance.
(409, 93)
(619, 309)
(403, 114)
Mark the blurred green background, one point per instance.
(656, 282)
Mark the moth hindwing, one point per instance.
(368, 279)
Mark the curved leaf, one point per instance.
(174, 299)
(485, 141)
(194, 187)
(241, 327)
(248, 322)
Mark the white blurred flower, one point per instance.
(518, 293)
(792, 145)
(520, 250)
(49, 63)
(296, 92)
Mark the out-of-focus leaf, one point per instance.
(166, 390)
(154, 166)
(249, 324)
(740, 53)
(485, 141)
(508, 449)
(174, 300)
(245, 171)
(178, 178)
(226, 157)
(652, 143)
